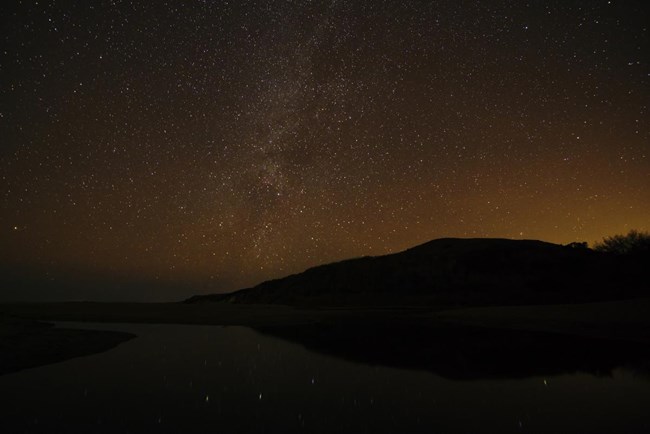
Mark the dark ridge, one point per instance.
(456, 272)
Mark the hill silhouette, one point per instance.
(457, 272)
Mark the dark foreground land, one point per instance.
(621, 319)
(26, 342)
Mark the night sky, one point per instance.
(214, 144)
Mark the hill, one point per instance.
(456, 272)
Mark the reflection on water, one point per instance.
(197, 379)
(469, 353)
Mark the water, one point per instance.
(207, 379)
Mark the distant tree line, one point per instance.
(633, 243)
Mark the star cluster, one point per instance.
(219, 143)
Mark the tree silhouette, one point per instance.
(634, 242)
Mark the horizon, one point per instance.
(70, 285)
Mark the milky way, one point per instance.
(218, 144)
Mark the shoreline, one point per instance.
(26, 344)
(26, 341)
(627, 319)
